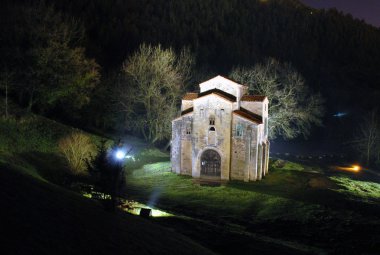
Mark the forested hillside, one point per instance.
(331, 49)
(338, 55)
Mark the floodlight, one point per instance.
(120, 154)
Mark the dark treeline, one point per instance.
(336, 53)
(339, 56)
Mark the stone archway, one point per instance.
(210, 163)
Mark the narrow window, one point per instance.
(188, 129)
(212, 120)
(239, 130)
(202, 113)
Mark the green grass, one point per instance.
(365, 190)
(296, 208)
(287, 165)
(231, 200)
(291, 204)
(32, 139)
(43, 218)
(40, 217)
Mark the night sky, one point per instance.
(369, 10)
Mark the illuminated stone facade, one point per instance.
(222, 133)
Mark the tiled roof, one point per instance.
(253, 98)
(218, 92)
(190, 96)
(187, 111)
(249, 115)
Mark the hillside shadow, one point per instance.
(49, 166)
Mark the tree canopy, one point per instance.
(154, 81)
(293, 109)
(50, 64)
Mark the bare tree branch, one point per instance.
(154, 81)
(292, 108)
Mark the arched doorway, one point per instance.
(210, 163)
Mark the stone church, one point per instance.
(222, 133)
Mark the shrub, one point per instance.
(77, 148)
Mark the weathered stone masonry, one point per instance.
(222, 133)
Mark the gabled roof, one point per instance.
(218, 92)
(253, 98)
(220, 79)
(187, 111)
(190, 96)
(249, 115)
(183, 113)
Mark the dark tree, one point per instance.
(43, 47)
(107, 174)
(366, 141)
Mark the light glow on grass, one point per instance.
(134, 207)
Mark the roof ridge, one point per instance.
(218, 92)
(253, 98)
(249, 115)
(225, 78)
(187, 111)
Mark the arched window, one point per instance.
(211, 129)
(212, 120)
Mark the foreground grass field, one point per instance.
(40, 215)
(307, 209)
(296, 209)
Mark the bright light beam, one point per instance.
(120, 154)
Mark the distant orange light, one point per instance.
(353, 168)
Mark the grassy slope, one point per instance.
(292, 204)
(39, 217)
(293, 210)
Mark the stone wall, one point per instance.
(186, 144)
(244, 149)
(220, 110)
(259, 108)
(255, 107)
(175, 152)
(186, 104)
(212, 126)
